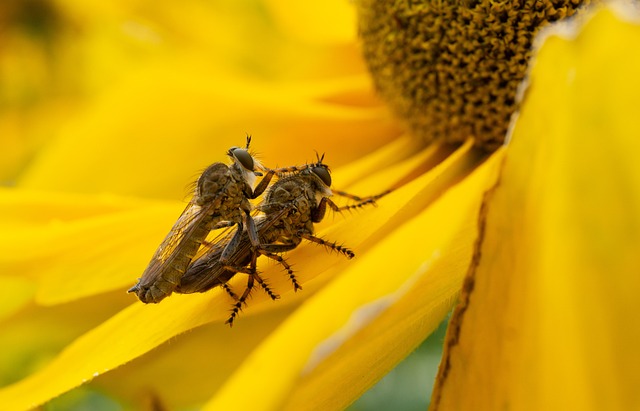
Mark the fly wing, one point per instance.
(207, 271)
(163, 271)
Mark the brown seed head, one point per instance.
(450, 69)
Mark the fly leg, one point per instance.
(295, 169)
(252, 276)
(251, 272)
(237, 307)
(317, 214)
(329, 244)
(271, 251)
(262, 185)
(229, 291)
(291, 169)
(353, 197)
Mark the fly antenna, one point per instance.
(319, 157)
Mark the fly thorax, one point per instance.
(234, 193)
(210, 197)
(303, 206)
(211, 182)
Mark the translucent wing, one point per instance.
(174, 254)
(207, 271)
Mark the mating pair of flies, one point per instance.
(185, 263)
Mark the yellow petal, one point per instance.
(380, 334)
(359, 326)
(318, 22)
(552, 321)
(125, 336)
(30, 336)
(123, 245)
(20, 209)
(140, 328)
(205, 357)
(15, 293)
(74, 246)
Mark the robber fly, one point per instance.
(290, 208)
(221, 199)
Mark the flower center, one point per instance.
(450, 69)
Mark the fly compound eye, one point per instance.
(323, 174)
(243, 157)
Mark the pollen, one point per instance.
(451, 69)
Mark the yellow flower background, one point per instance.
(109, 111)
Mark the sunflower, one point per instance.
(108, 111)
